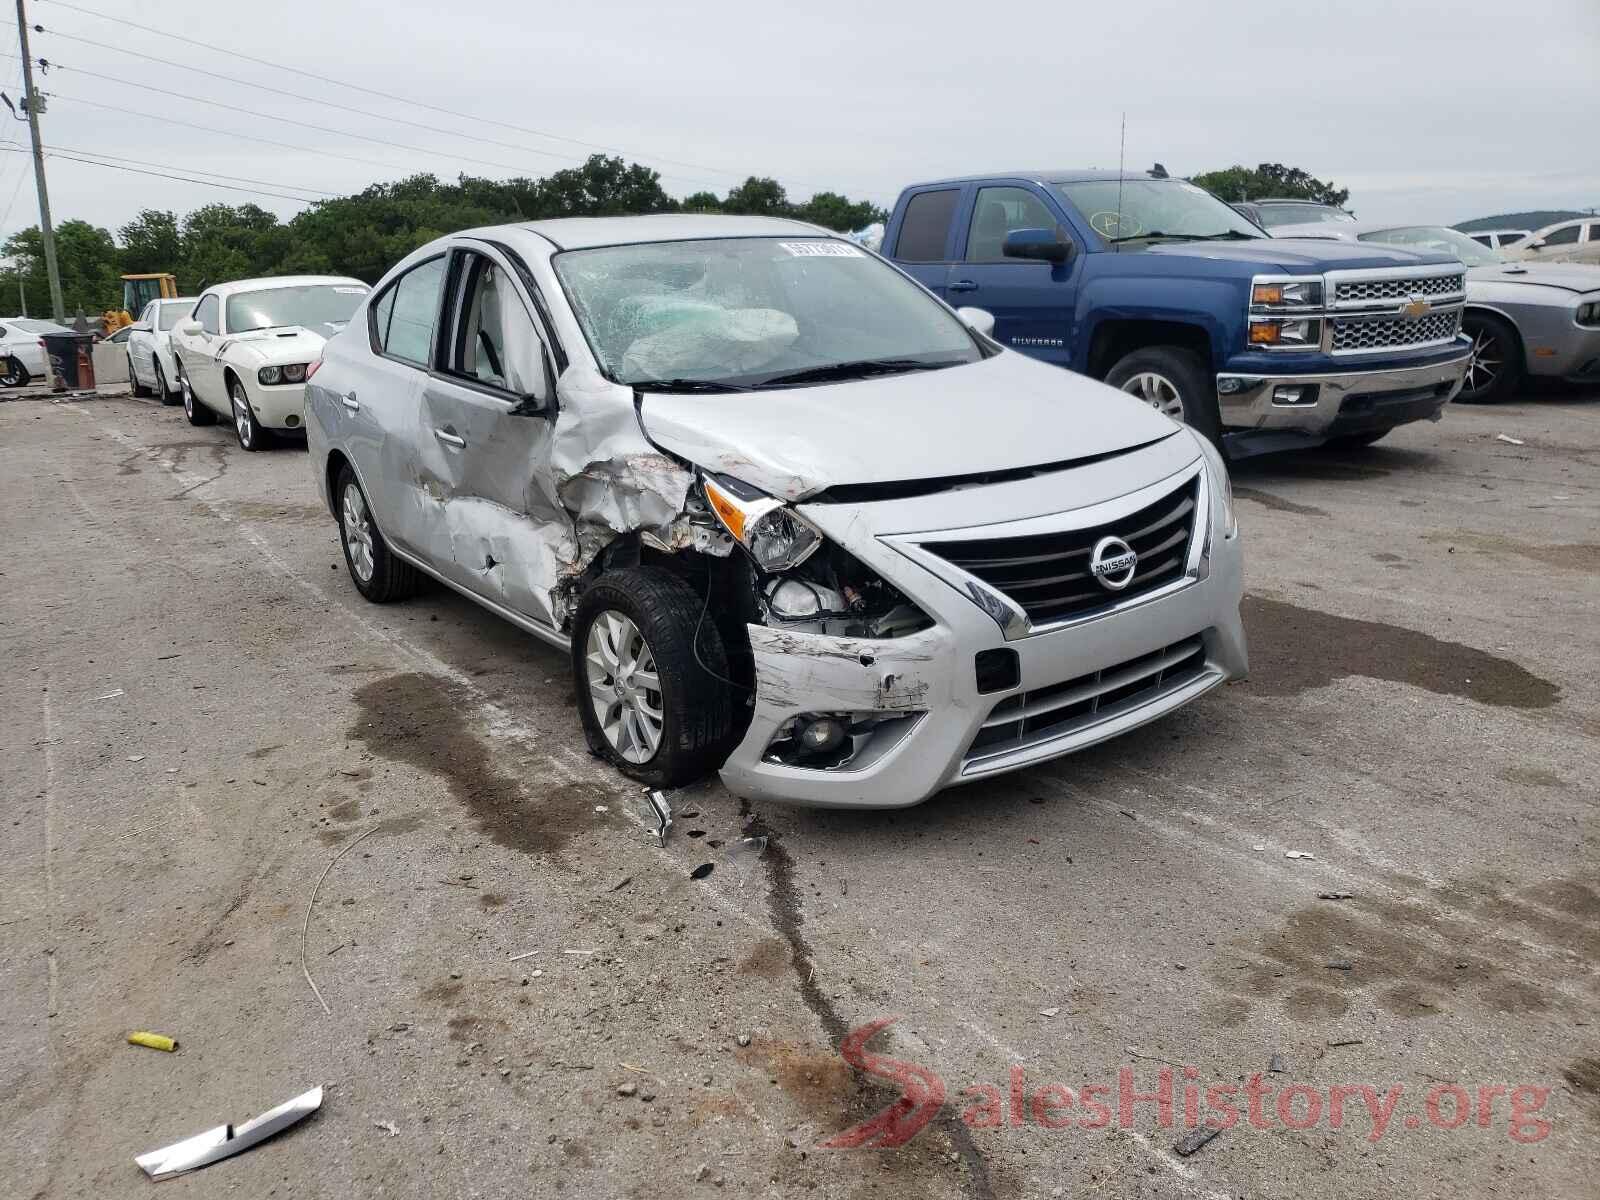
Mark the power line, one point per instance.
(360, 112)
(282, 66)
(293, 187)
(164, 175)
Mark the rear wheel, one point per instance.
(13, 373)
(138, 388)
(197, 413)
(651, 705)
(376, 572)
(164, 393)
(1173, 381)
(1496, 364)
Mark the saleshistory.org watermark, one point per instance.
(1176, 1096)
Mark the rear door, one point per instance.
(487, 413)
(1032, 301)
(925, 238)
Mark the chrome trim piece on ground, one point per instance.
(225, 1141)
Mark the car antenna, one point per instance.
(1122, 157)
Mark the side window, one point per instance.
(999, 211)
(496, 341)
(403, 319)
(926, 226)
(1594, 231)
(207, 313)
(148, 316)
(1567, 235)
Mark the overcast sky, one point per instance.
(1439, 112)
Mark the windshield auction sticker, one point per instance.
(821, 249)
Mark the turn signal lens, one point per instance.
(776, 537)
(1264, 333)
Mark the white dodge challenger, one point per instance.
(245, 352)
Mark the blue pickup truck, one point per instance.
(1158, 288)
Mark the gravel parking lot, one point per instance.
(528, 996)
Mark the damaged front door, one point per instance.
(484, 446)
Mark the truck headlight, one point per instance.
(1285, 332)
(1294, 291)
(778, 538)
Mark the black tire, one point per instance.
(695, 703)
(245, 426)
(134, 385)
(13, 373)
(165, 394)
(1497, 366)
(1358, 441)
(390, 578)
(197, 413)
(1176, 369)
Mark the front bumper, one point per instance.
(281, 406)
(1345, 402)
(928, 679)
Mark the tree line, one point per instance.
(365, 234)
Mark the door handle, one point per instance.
(349, 401)
(450, 439)
(963, 285)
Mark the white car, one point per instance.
(151, 366)
(791, 516)
(1565, 241)
(245, 351)
(22, 355)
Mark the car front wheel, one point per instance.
(1173, 381)
(650, 673)
(251, 435)
(1496, 363)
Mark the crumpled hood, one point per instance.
(1570, 277)
(1301, 255)
(1002, 413)
(291, 344)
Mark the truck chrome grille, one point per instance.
(1074, 704)
(1357, 290)
(1047, 574)
(1385, 333)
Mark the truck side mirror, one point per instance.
(1040, 245)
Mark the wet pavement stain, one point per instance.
(1294, 649)
(1536, 776)
(1584, 1076)
(418, 719)
(1278, 503)
(1583, 557)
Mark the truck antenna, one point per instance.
(1122, 157)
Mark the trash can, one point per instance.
(71, 358)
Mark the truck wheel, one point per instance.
(377, 573)
(1496, 364)
(650, 706)
(1173, 381)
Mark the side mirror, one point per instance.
(979, 320)
(190, 328)
(534, 404)
(1041, 245)
(1536, 244)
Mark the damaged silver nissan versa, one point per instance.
(794, 518)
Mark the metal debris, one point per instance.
(112, 695)
(1507, 438)
(305, 926)
(1193, 1140)
(1298, 854)
(656, 813)
(523, 955)
(225, 1141)
(388, 1127)
(1335, 895)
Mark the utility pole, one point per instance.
(47, 231)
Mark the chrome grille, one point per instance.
(1061, 708)
(1399, 289)
(1386, 332)
(1047, 574)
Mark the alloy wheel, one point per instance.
(188, 393)
(161, 381)
(357, 529)
(1157, 391)
(624, 686)
(1488, 358)
(13, 375)
(242, 420)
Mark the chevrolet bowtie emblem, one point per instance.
(1415, 307)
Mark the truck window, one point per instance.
(999, 211)
(926, 226)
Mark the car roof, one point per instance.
(581, 233)
(281, 281)
(1054, 175)
(1294, 200)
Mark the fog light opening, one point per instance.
(1286, 395)
(827, 741)
(819, 735)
